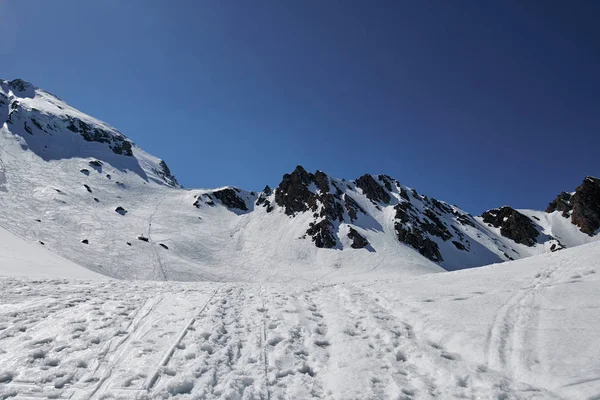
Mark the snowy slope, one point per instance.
(521, 330)
(95, 198)
(21, 258)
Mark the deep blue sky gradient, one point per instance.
(477, 103)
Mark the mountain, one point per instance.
(81, 188)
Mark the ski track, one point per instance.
(160, 340)
(511, 325)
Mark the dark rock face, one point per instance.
(230, 199)
(321, 234)
(373, 190)
(118, 144)
(562, 203)
(586, 206)
(583, 206)
(416, 228)
(512, 224)
(352, 207)
(292, 193)
(262, 199)
(358, 240)
(166, 175)
(417, 240)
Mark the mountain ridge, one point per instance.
(62, 167)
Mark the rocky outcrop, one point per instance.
(586, 206)
(373, 190)
(293, 194)
(561, 203)
(165, 173)
(321, 233)
(352, 207)
(419, 241)
(583, 206)
(512, 224)
(263, 200)
(358, 240)
(118, 144)
(230, 199)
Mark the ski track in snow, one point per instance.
(130, 340)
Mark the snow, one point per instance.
(521, 330)
(260, 312)
(21, 258)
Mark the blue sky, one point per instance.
(477, 103)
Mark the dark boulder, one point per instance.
(87, 188)
(120, 210)
(512, 224)
(230, 199)
(373, 190)
(85, 241)
(358, 240)
(143, 238)
(164, 246)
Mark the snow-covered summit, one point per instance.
(53, 130)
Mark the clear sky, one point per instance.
(479, 103)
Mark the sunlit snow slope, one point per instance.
(94, 197)
(525, 329)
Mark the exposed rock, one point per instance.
(321, 234)
(164, 246)
(437, 228)
(262, 199)
(387, 181)
(419, 241)
(85, 241)
(166, 175)
(358, 241)
(512, 224)
(118, 144)
(373, 190)
(121, 210)
(86, 172)
(583, 206)
(293, 194)
(143, 238)
(322, 181)
(87, 188)
(353, 207)
(562, 203)
(230, 199)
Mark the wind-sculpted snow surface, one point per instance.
(523, 330)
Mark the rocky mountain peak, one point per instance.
(582, 206)
(512, 224)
